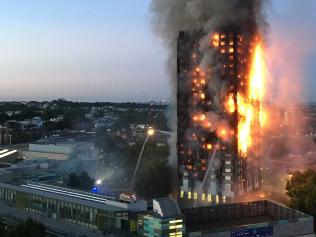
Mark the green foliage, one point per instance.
(19, 136)
(3, 117)
(2, 229)
(154, 179)
(152, 152)
(302, 191)
(28, 228)
(60, 125)
(82, 181)
(52, 113)
(27, 113)
(156, 119)
(73, 114)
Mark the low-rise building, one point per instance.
(165, 220)
(85, 209)
(250, 219)
(60, 150)
(8, 155)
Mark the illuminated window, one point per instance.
(181, 194)
(228, 178)
(209, 197)
(189, 195)
(217, 199)
(203, 196)
(175, 234)
(216, 40)
(223, 50)
(175, 221)
(231, 50)
(172, 227)
(195, 196)
(228, 170)
(224, 199)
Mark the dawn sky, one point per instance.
(104, 50)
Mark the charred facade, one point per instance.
(212, 168)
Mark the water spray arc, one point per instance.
(206, 174)
(150, 133)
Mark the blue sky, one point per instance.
(104, 49)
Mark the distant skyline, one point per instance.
(97, 50)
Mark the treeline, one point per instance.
(19, 106)
(28, 228)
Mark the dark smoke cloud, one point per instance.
(171, 16)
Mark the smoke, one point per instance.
(290, 45)
(169, 17)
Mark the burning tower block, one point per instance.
(220, 115)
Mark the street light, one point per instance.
(98, 182)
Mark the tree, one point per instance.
(82, 181)
(3, 117)
(302, 191)
(86, 183)
(2, 229)
(28, 228)
(154, 179)
(73, 181)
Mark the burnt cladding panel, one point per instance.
(183, 97)
(189, 151)
(232, 57)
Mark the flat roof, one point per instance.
(235, 215)
(5, 152)
(72, 196)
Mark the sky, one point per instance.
(105, 50)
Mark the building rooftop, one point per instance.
(5, 152)
(98, 201)
(235, 215)
(166, 207)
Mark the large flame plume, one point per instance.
(251, 113)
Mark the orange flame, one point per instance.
(230, 104)
(216, 40)
(251, 115)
